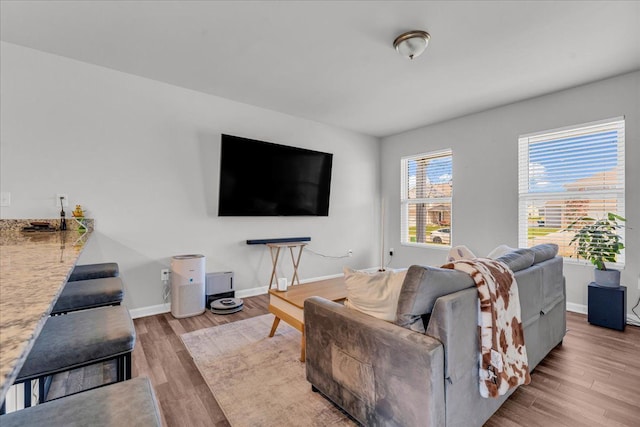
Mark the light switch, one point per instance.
(5, 198)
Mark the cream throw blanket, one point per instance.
(503, 355)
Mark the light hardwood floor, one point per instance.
(592, 379)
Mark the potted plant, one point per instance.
(598, 241)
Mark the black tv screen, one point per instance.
(263, 179)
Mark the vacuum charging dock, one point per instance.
(219, 287)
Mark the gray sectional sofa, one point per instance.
(423, 370)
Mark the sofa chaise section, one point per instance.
(384, 374)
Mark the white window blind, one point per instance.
(567, 174)
(425, 198)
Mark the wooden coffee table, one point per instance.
(289, 305)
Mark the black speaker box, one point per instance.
(607, 306)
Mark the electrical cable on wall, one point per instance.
(166, 290)
(388, 262)
(348, 254)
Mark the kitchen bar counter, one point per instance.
(34, 266)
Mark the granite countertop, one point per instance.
(33, 269)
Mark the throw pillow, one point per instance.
(375, 294)
(459, 252)
(499, 251)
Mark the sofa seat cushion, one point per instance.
(94, 271)
(420, 290)
(128, 403)
(375, 294)
(85, 294)
(79, 338)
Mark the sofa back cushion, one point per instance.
(421, 288)
(544, 252)
(518, 260)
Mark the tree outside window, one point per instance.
(427, 185)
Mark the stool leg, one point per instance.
(127, 361)
(42, 394)
(26, 392)
(120, 368)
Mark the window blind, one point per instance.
(426, 198)
(567, 174)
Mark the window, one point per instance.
(426, 198)
(567, 174)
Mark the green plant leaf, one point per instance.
(597, 240)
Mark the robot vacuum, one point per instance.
(226, 305)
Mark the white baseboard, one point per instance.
(316, 279)
(242, 293)
(150, 310)
(577, 308)
(245, 293)
(583, 309)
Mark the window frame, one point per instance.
(525, 196)
(405, 201)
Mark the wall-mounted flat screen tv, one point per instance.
(263, 179)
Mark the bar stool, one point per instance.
(92, 293)
(80, 339)
(129, 403)
(94, 271)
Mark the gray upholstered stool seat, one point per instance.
(80, 339)
(85, 294)
(94, 271)
(128, 403)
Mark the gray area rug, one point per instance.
(257, 380)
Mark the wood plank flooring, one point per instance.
(592, 379)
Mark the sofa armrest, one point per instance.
(378, 372)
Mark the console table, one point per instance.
(274, 248)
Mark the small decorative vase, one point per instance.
(607, 278)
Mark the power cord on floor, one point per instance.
(635, 322)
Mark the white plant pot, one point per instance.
(607, 278)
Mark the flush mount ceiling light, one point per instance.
(412, 43)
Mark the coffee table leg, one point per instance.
(276, 322)
(303, 349)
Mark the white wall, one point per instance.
(142, 157)
(485, 173)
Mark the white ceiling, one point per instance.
(333, 61)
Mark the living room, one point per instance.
(140, 150)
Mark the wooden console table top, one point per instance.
(286, 244)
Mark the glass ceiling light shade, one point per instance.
(412, 43)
